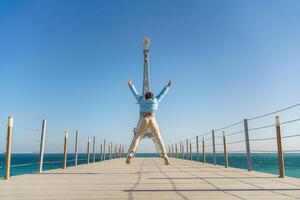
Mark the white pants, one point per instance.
(145, 123)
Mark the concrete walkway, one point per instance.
(148, 178)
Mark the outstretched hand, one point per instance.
(129, 82)
(169, 83)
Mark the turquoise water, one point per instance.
(262, 162)
(267, 162)
(51, 161)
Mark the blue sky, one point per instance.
(69, 62)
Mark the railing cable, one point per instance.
(261, 127)
(274, 112)
(287, 122)
(262, 139)
(289, 136)
(240, 141)
(229, 126)
(235, 133)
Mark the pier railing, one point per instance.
(263, 134)
(96, 150)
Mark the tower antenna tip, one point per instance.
(146, 42)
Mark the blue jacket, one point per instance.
(149, 105)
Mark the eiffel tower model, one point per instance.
(146, 86)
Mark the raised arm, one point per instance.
(133, 90)
(164, 91)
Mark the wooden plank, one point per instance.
(149, 178)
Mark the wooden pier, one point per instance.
(148, 178)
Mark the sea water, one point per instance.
(263, 162)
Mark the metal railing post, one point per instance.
(104, 149)
(42, 145)
(88, 151)
(172, 150)
(187, 148)
(225, 151)
(65, 149)
(180, 149)
(76, 147)
(117, 152)
(197, 146)
(111, 151)
(121, 154)
(191, 152)
(203, 150)
(279, 148)
(183, 156)
(10, 124)
(108, 146)
(248, 152)
(101, 151)
(108, 151)
(94, 146)
(114, 151)
(176, 150)
(123, 150)
(214, 147)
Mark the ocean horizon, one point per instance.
(25, 163)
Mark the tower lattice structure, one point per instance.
(146, 85)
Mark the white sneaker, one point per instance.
(129, 157)
(167, 161)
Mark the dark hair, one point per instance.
(149, 95)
